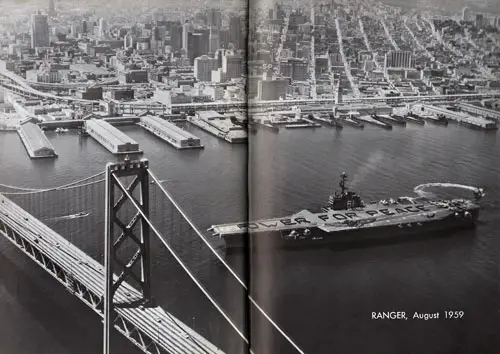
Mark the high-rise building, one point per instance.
(128, 41)
(269, 90)
(176, 37)
(52, 9)
(299, 69)
(84, 26)
(214, 40)
(232, 65)
(214, 18)
(156, 33)
(399, 59)
(102, 28)
(235, 32)
(295, 68)
(39, 30)
(197, 45)
(466, 15)
(203, 67)
(479, 20)
(75, 29)
(187, 28)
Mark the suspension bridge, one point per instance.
(124, 218)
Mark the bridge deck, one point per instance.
(159, 326)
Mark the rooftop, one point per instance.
(170, 128)
(36, 137)
(112, 134)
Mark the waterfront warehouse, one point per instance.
(36, 143)
(171, 133)
(219, 125)
(110, 137)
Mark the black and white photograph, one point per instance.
(249, 177)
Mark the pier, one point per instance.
(169, 132)
(441, 115)
(373, 121)
(36, 143)
(482, 111)
(392, 120)
(219, 125)
(79, 123)
(410, 118)
(110, 137)
(351, 122)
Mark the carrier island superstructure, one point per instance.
(347, 218)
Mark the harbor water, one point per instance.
(322, 298)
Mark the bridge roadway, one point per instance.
(23, 88)
(151, 329)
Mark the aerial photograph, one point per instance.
(260, 176)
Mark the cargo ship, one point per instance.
(347, 218)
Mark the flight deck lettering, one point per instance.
(287, 222)
(248, 225)
(386, 212)
(413, 211)
(269, 225)
(337, 216)
(302, 221)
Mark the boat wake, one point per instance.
(69, 217)
(420, 190)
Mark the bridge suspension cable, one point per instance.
(74, 184)
(179, 261)
(24, 191)
(228, 267)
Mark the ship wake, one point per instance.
(420, 190)
(69, 217)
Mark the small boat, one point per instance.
(61, 130)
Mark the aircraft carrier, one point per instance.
(347, 218)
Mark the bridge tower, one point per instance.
(134, 266)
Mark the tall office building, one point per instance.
(235, 32)
(39, 30)
(399, 59)
(214, 18)
(466, 15)
(479, 20)
(128, 41)
(214, 40)
(197, 46)
(203, 67)
(269, 90)
(187, 28)
(176, 37)
(103, 28)
(232, 65)
(52, 9)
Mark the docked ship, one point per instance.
(347, 218)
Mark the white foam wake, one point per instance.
(68, 217)
(420, 189)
